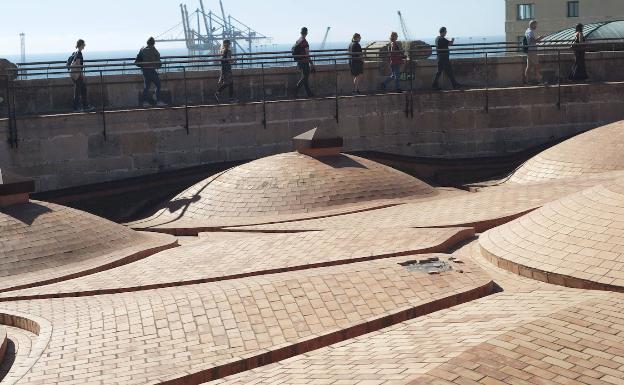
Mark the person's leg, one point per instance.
(396, 73)
(301, 77)
(76, 94)
(306, 79)
(448, 69)
(387, 80)
(231, 89)
(158, 86)
(527, 70)
(146, 85)
(83, 92)
(436, 80)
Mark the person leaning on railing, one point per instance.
(149, 61)
(75, 65)
(533, 64)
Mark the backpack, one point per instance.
(525, 44)
(74, 67)
(296, 51)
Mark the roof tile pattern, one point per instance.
(42, 241)
(290, 183)
(577, 238)
(258, 254)
(593, 152)
(152, 336)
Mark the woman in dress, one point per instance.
(579, 71)
(356, 62)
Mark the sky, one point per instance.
(54, 25)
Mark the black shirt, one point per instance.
(226, 58)
(442, 47)
(356, 51)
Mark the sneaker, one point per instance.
(216, 95)
(147, 104)
(77, 110)
(88, 109)
(399, 91)
(458, 86)
(161, 104)
(233, 101)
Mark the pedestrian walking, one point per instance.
(397, 58)
(149, 61)
(301, 54)
(444, 60)
(75, 65)
(533, 65)
(226, 79)
(579, 71)
(356, 62)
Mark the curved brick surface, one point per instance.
(592, 152)
(158, 335)
(289, 183)
(256, 254)
(576, 241)
(491, 206)
(3, 343)
(43, 242)
(402, 354)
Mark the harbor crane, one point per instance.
(325, 38)
(406, 34)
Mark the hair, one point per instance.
(532, 23)
(151, 41)
(579, 28)
(304, 31)
(79, 43)
(442, 29)
(355, 36)
(393, 34)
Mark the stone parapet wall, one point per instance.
(61, 151)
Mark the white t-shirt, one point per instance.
(531, 38)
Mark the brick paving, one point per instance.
(153, 336)
(575, 241)
(289, 183)
(43, 242)
(590, 153)
(257, 254)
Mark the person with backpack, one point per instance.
(226, 79)
(301, 54)
(356, 62)
(397, 58)
(148, 60)
(444, 60)
(530, 45)
(75, 66)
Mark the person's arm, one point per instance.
(452, 41)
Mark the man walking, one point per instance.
(301, 53)
(149, 60)
(533, 65)
(396, 61)
(444, 60)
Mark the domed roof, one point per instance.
(292, 183)
(42, 242)
(592, 31)
(575, 241)
(596, 151)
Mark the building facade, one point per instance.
(555, 15)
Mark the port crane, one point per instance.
(325, 38)
(406, 34)
(216, 28)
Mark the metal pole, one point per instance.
(559, 79)
(186, 114)
(487, 85)
(8, 110)
(13, 112)
(413, 75)
(264, 113)
(102, 105)
(336, 82)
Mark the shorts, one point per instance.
(532, 59)
(357, 68)
(225, 78)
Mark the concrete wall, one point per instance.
(62, 151)
(46, 96)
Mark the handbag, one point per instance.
(75, 68)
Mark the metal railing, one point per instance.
(481, 55)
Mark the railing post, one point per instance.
(336, 91)
(264, 114)
(186, 114)
(412, 77)
(558, 79)
(12, 110)
(102, 105)
(487, 85)
(8, 110)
